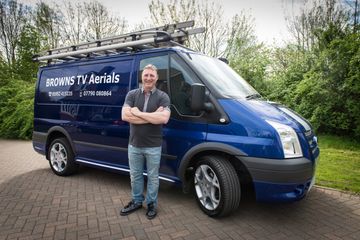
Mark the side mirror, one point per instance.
(198, 97)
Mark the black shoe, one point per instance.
(131, 207)
(151, 211)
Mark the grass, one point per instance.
(339, 163)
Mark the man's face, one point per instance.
(149, 78)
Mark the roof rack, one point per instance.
(174, 34)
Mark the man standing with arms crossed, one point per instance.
(146, 109)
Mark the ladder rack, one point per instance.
(150, 38)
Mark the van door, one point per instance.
(101, 138)
(185, 128)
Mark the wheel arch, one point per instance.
(54, 133)
(225, 151)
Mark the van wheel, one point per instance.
(61, 157)
(217, 186)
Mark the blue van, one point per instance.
(222, 137)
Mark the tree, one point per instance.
(288, 68)
(174, 11)
(241, 35)
(100, 23)
(48, 21)
(73, 27)
(13, 18)
(218, 37)
(329, 93)
(355, 13)
(317, 16)
(252, 64)
(29, 43)
(247, 57)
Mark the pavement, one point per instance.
(37, 204)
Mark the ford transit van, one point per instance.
(222, 137)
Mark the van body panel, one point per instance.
(247, 131)
(248, 118)
(90, 121)
(179, 137)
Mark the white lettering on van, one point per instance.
(62, 81)
(116, 77)
(100, 79)
(66, 81)
(83, 79)
(92, 79)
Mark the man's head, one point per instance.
(149, 77)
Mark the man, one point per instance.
(146, 109)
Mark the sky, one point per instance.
(269, 15)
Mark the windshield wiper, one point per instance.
(253, 96)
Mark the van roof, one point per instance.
(118, 55)
(155, 38)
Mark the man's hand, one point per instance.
(135, 116)
(128, 116)
(160, 116)
(160, 109)
(135, 111)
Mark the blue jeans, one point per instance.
(137, 158)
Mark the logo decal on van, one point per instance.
(83, 79)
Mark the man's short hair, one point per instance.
(150, 66)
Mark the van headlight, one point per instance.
(289, 139)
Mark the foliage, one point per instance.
(72, 26)
(287, 70)
(315, 17)
(323, 85)
(16, 109)
(13, 17)
(251, 62)
(48, 21)
(99, 22)
(5, 72)
(218, 37)
(329, 94)
(73, 23)
(29, 43)
(322, 81)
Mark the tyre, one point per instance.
(217, 186)
(61, 157)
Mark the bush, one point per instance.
(17, 109)
(323, 85)
(329, 93)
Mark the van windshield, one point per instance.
(223, 79)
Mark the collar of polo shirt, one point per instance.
(152, 90)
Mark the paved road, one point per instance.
(36, 204)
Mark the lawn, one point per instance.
(339, 163)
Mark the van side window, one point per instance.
(181, 79)
(162, 64)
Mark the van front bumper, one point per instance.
(280, 180)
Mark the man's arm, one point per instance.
(128, 116)
(160, 116)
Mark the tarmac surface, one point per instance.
(37, 204)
